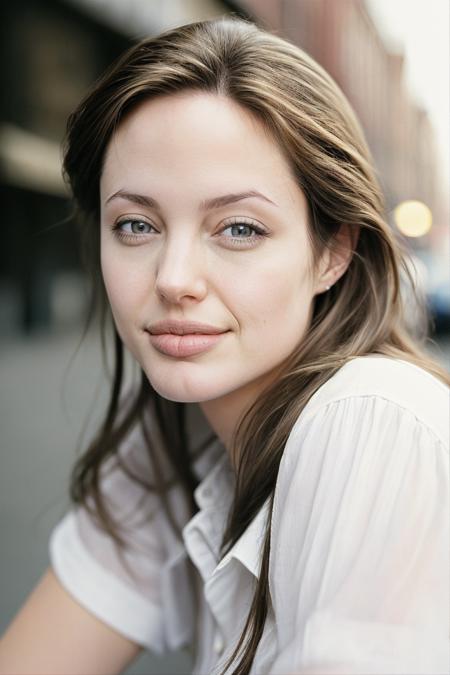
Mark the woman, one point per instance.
(230, 197)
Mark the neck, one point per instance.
(225, 413)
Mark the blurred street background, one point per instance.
(391, 59)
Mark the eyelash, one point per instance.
(237, 242)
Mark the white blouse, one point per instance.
(359, 563)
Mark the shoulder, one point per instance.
(362, 487)
(369, 448)
(397, 386)
(374, 412)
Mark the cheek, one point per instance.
(271, 297)
(126, 282)
(125, 289)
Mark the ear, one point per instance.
(336, 258)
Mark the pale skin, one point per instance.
(245, 267)
(182, 261)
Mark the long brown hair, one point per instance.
(314, 125)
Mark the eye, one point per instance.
(137, 226)
(240, 230)
(242, 233)
(133, 230)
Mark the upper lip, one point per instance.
(183, 328)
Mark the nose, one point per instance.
(181, 272)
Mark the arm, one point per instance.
(53, 635)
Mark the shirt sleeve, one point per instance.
(134, 593)
(359, 563)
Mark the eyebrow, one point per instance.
(205, 205)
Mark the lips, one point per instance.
(184, 338)
(183, 328)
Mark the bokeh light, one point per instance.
(413, 218)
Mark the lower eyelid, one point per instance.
(242, 242)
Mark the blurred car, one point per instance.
(438, 303)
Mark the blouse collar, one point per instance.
(214, 497)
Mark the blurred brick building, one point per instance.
(342, 36)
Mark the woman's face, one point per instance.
(177, 248)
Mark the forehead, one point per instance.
(193, 118)
(198, 139)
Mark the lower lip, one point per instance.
(184, 345)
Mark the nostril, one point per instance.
(176, 292)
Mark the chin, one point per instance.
(185, 390)
(178, 396)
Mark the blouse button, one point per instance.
(218, 644)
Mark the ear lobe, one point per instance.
(337, 257)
